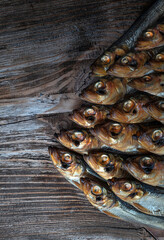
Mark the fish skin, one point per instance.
(151, 38)
(128, 40)
(132, 65)
(148, 169)
(146, 199)
(153, 84)
(108, 168)
(105, 91)
(156, 110)
(78, 140)
(155, 146)
(109, 204)
(125, 140)
(131, 109)
(90, 116)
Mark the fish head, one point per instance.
(152, 83)
(103, 163)
(153, 140)
(103, 63)
(142, 167)
(156, 109)
(125, 111)
(97, 92)
(77, 140)
(157, 63)
(68, 163)
(111, 132)
(126, 189)
(88, 116)
(149, 39)
(97, 194)
(128, 64)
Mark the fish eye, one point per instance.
(96, 190)
(157, 134)
(67, 158)
(160, 57)
(147, 162)
(115, 129)
(127, 186)
(100, 88)
(125, 60)
(147, 78)
(78, 136)
(104, 159)
(89, 112)
(161, 105)
(148, 34)
(106, 59)
(128, 106)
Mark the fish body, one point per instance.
(145, 198)
(105, 91)
(156, 109)
(131, 110)
(107, 165)
(99, 195)
(131, 65)
(151, 38)
(148, 169)
(119, 136)
(88, 117)
(128, 40)
(153, 84)
(78, 140)
(153, 140)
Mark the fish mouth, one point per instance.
(53, 151)
(80, 119)
(90, 96)
(86, 185)
(98, 69)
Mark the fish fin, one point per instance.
(111, 214)
(141, 208)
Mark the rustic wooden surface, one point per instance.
(46, 47)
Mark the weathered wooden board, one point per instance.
(46, 47)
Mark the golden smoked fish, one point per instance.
(90, 116)
(153, 140)
(119, 136)
(131, 109)
(99, 195)
(78, 140)
(132, 65)
(153, 84)
(151, 38)
(148, 169)
(107, 165)
(146, 199)
(105, 91)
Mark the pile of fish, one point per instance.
(116, 155)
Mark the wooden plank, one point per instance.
(46, 49)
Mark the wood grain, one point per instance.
(46, 48)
